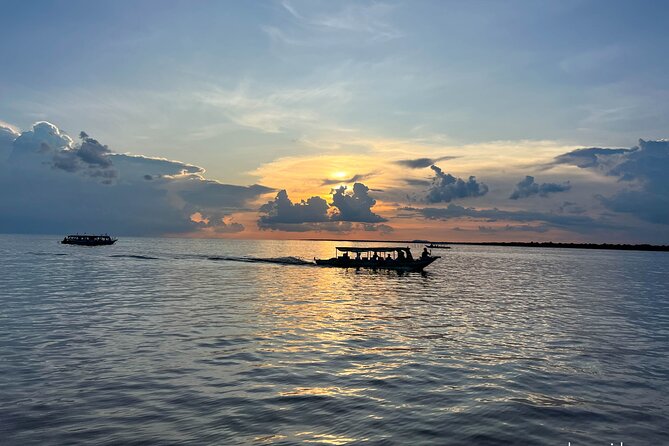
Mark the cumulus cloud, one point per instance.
(283, 210)
(49, 184)
(7, 137)
(527, 188)
(421, 163)
(315, 214)
(356, 206)
(642, 168)
(445, 187)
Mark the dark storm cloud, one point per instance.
(643, 168)
(354, 179)
(421, 163)
(49, 184)
(527, 188)
(445, 187)
(315, 214)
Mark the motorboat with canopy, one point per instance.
(88, 240)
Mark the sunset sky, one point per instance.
(482, 120)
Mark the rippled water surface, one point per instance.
(166, 341)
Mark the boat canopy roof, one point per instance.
(86, 236)
(371, 249)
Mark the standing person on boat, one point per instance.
(409, 255)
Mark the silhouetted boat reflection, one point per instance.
(378, 258)
(88, 240)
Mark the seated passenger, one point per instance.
(425, 254)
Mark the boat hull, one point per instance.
(414, 265)
(88, 243)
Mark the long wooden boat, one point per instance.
(374, 257)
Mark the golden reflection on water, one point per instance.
(329, 391)
(313, 437)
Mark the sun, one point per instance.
(339, 174)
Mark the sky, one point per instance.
(388, 120)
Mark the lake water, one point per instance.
(172, 341)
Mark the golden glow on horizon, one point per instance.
(376, 164)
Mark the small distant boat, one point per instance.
(88, 240)
(437, 246)
(378, 258)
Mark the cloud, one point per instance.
(579, 223)
(527, 187)
(514, 228)
(43, 137)
(417, 182)
(283, 210)
(642, 168)
(315, 214)
(49, 184)
(90, 156)
(354, 179)
(420, 163)
(571, 208)
(593, 157)
(220, 223)
(446, 187)
(327, 226)
(347, 23)
(356, 206)
(7, 137)
(277, 110)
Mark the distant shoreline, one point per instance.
(605, 246)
